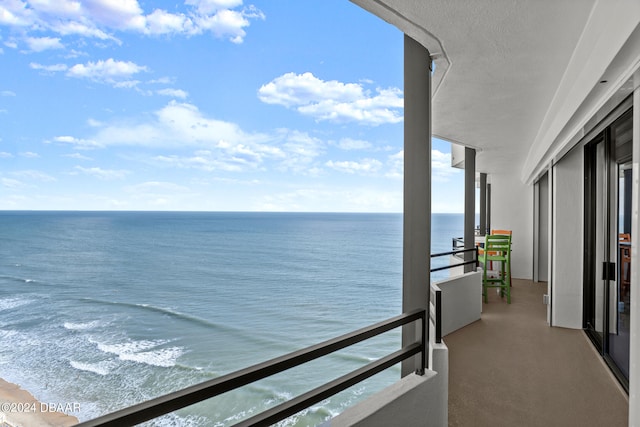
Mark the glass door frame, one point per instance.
(608, 208)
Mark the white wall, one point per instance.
(512, 209)
(461, 300)
(568, 241)
(412, 401)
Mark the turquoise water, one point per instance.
(107, 309)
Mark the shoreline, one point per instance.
(19, 408)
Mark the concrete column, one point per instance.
(634, 345)
(483, 204)
(417, 189)
(469, 204)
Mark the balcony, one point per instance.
(511, 368)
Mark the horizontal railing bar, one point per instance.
(171, 402)
(457, 251)
(297, 404)
(454, 265)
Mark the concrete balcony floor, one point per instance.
(511, 369)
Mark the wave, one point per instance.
(161, 310)
(81, 326)
(236, 332)
(165, 357)
(10, 303)
(350, 357)
(144, 352)
(100, 368)
(18, 279)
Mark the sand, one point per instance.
(19, 408)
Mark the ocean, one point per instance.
(105, 309)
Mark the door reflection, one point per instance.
(619, 336)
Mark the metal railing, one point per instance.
(454, 252)
(435, 311)
(435, 299)
(457, 243)
(171, 402)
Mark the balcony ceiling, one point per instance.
(510, 73)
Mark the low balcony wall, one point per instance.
(411, 402)
(461, 300)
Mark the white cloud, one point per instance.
(7, 93)
(77, 156)
(215, 144)
(175, 93)
(395, 163)
(163, 22)
(33, 175)
(11, 183)
(441, 168)
(299, 150)
(99, 18)
(334, 101)
(109, 71)
(5, 155)
(80, 29)
(104, 174)
(160, 194)
(156, 187)
(55, 68)
(319, 199)
(349, 144)
(29, 155)
(208, 7)
(77, 142)
(365, 166)
(175, 125)
(39, 44)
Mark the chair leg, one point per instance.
(484, 282)
(508, 281)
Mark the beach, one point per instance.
(18, 408)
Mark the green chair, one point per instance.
(497, 247)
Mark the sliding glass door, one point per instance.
(607, 234)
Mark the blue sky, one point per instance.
(216, 105)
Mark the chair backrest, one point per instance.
(498, 243)
(502, 232)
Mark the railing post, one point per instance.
(425, 346)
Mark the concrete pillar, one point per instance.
(483, 204)
(634, 345)
(469, 204)
(417, 189)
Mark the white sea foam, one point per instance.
(101, 368)
(164, 357)
(129, 347)
(141, 352)
(9, 303)
(80, 326)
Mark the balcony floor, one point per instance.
(510, 368)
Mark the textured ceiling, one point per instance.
(506, 67)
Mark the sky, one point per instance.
(206, 105)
